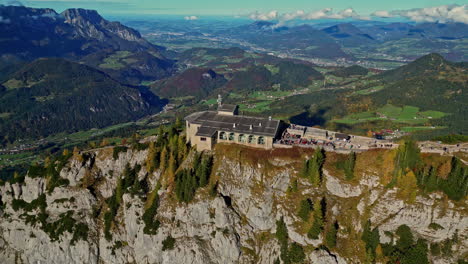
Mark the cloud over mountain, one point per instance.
(326, 13)
(444, 13)
(190, 17)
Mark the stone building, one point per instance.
(205, 129)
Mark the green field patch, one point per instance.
(272, 68)
(255, 107)
(5, 115)
(311, 47)
(432, 114)
(147, 83)
(268, 95)
(418, 128)
(406, 115)
(44, 98)
(15, 84)
(350, 121)
(130, 60)
(236, 96)
(369, 90)
(210, 101)
(409, 112)
(390, 111)
(115, 61)
(183, 98)
(232, 60)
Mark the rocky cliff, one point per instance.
(234, 219)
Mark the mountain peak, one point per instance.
(427, 66)
(79, 13)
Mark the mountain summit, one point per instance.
(33, 33)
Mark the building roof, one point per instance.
(316, 131)
(342, 136)
(206, 131)
(227, 108)
(212, 121)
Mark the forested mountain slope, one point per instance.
(49, 96)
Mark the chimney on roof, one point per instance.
(269, 118)
(259, 124)
(234, 125)
(251, 127)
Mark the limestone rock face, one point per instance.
(235, 225)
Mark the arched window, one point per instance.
(223, 136)
(261, 140)
(242, 138)
(251, 139)
(231, 136)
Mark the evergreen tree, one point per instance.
(330, 237)
(432, 180)
(417, 254)
(456, 184)
(317, 224)
(405, 240)
(296, 253)
(182, 147)
(305, 169)
(152, 160)
(408, 156)
(305, 208)
(371, 237)
(163, 159)
(315, 168)
(171, 166)
(349, 165)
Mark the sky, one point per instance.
(270, 9)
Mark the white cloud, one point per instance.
(326, 13)
(272, 15)
(382, 14)
(191, 18)
(445, 13)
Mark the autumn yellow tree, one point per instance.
(379, 255)
(152, 158)
(388, 166)
(163, 159)
(408, 186)
(104, 142)
(444, 170)
(66, 152)
(182, 148)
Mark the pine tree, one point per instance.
(317, 224)
(205, 170)
(405, 240)
(432, 181)
(315, 168)
(305, 208)
(305, 169)
(171, 166)
(349, 165)
(330, 237)
(152, 160)
(163, 159)
(371, 237)
(182, 147)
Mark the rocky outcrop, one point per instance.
(236, 225)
